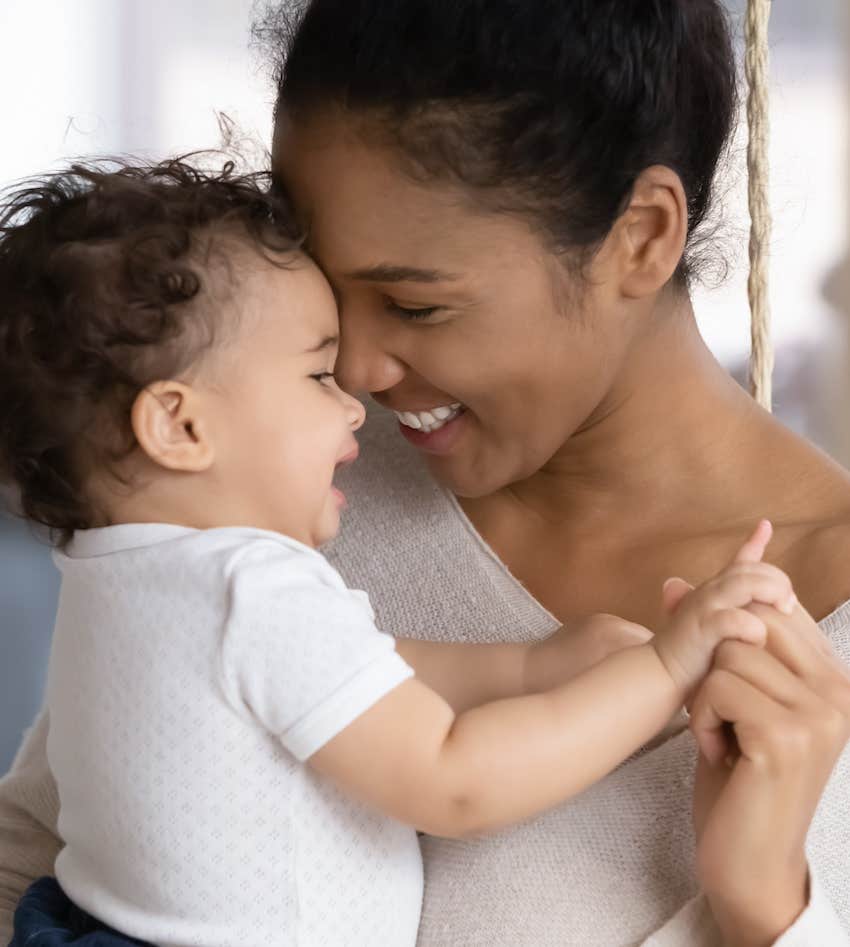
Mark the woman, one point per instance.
(506, 196)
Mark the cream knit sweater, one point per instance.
(612, 867)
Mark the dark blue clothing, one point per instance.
(45, 917)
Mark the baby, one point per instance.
(242, 756)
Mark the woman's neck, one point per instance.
(676, 440)
(669, 475)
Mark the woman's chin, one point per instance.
(464, 479)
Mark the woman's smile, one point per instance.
(438, 436)
(431, 420)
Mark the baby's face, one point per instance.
(281, 426)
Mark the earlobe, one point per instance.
(655, 228)
(169, 426)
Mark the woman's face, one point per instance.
(444, 304)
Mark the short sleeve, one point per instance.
(300, 652)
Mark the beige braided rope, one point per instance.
(758, 117)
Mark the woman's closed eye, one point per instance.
(412, 313)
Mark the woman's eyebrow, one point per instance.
(388, 273)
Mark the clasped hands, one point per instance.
(771, 717)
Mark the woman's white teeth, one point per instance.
(429, 421)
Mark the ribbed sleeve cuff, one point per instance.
(819, 925)
(693, 924)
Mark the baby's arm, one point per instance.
(459, 775)
(468, 675)
(414, 759)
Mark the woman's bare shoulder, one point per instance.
(806, 494)
(818, 561)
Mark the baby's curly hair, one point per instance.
(101, 267)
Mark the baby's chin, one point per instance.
(324, 532)
(326, 537)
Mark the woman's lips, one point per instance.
(438, 442)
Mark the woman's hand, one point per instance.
(756, 792)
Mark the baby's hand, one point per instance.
(717, 610)
(577, 646)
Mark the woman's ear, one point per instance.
(169, 424)
(654, 232)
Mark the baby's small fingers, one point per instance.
(754, 548)
(753, 569)
(735, 623)
(758, 582)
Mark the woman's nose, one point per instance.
(364, 363)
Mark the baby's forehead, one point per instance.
(286, 293)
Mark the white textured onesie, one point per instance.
(192, 673)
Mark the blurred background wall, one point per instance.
(149, 77)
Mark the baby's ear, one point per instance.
(169, 424)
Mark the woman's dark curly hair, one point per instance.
(549, 109)
(103, 270)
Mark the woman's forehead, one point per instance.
(357, 204)
(332, 172)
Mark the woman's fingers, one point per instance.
(715, 743)
(726, 698)
(772, 711)
(735, 623)
(796, 640)
(763, 671)
(673, 592)
(743, 583)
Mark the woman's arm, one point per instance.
(789, 708)
(29, 809)
(748, 902)
(694, 924)
(755, 795)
